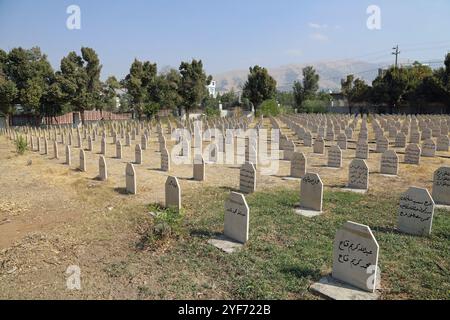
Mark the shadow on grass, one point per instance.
(204, 234)
(303, 272)
(120, 190)
(229, 189)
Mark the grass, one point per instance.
(286, 252)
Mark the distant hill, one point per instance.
(330, 72)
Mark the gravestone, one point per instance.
(68, 156)
(412, 154)
(173, 193)
(237, 218)
(400, 140)
(165, 160)
(358, 176)
(334, 157)
(247, 178)
(389, 163)
(130, 173)
(355, 257)
(319, 146)
(382, 144)
(362, 150)
(138, 154)
(441, 186)
(89, 148)
(342, 141)
(55, 149)
(118, 149)
(311, 194)
(82, 161)
(298, 165)
(443, 143)
(416, 212)
(102, 169)
(199, 168)
(144, 142)
(103, 146)
(428, 148)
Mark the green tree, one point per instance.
(193, 84)
(109, 94)
(260, 86)
(8, 94)
(307, 89)
(168, 84)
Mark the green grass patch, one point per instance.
(286, 252)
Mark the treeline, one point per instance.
(417, 87)
(28, 80)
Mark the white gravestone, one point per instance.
(334, 157)
(236, 218)
(102, 169)
(165, 160)
(362, 150)
(441, 186)
(311, 194)
(358, 176)
(428, 148)
(82, 160)
(199, 168)
(412, 154)
(130, 173)
(247, 178)
(298, 165)
(173, 193)
(416, 212)
(389, 163)
(138, 154)
(355, 256)
(68, 156)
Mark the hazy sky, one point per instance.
(228, 35)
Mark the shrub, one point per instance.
(269, 108)
(315, 106)
(21, 145)
(167, 224)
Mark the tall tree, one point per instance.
(32, 74)
(260, 86)
(79, 80)
(307, 89)
(193, 84)
(8, 94)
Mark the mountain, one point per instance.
(330, 72)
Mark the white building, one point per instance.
(212, 89)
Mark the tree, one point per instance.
(32, 75)
(168, 85)
(307, 89)
(109, 94)
(79, 80)
(193, 84)
(229, 99)
(260, 86)
(135, 88)
(356, 91)
(8, 94)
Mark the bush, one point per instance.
(21, 145)
(315, 106)
(167, 224)
(212, 112)
(269, 108)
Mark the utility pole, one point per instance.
(396, 53)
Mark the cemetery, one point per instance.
(154, 214)
(213, 153)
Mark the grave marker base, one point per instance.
(307, 212)
(360, 191)
(331, 288)
(225, 244)
(442, 207)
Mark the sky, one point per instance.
(228, 35)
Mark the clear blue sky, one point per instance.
(227, 35)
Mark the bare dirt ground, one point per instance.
(53, 216)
